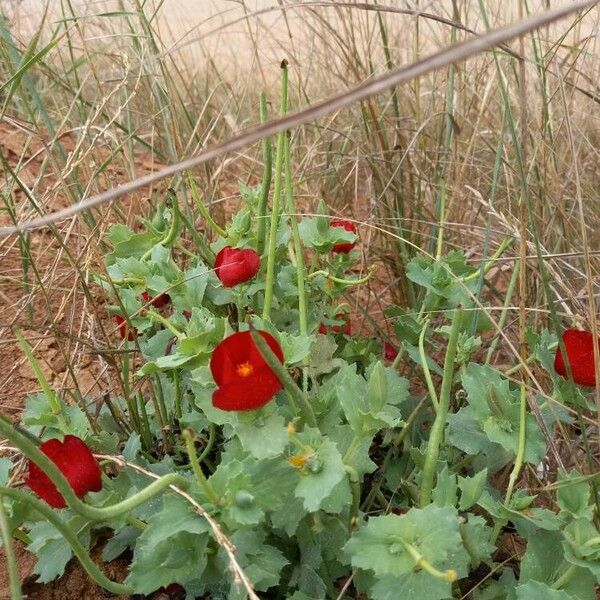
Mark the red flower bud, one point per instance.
(348, 226)
(75, 461)
(345, 328)
(389, 352)
(236, 265)
(245, 381)
(580, 351)
(158, 302)
(124, 330)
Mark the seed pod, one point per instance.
(244, 499)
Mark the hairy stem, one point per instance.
(93, 513)
(80, 552)
(270, 279)
(437, 431)
(267, 149)
(284, 377)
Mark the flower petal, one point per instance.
(348, 226)
(248, 394)
(237, 349)
(236, 265)
(75, 461)
(580, 351)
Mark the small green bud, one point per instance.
(396, 549)
(322, 219)
(315, 466)
(244, 499)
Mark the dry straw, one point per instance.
(457, 53)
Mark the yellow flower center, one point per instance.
(245, 369)
(298, 460)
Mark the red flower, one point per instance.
(236, 265)
(158, 302)
(345, 328)
(348, 226)
(389, 352)
(75, 461)
(124, 330)
(580, 351)
(245, 380)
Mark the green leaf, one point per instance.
(497, 410)
(6, 466)
(534, 590)
(174, 540)
(126, 243)
(476, 537)
(544, 562)
(433, 532)
(445, 490)
(196, 280)
(262, 435)
(417, 585)
(320, 238)
(52, 550)
(365, 404)
(317, 484)
(124, 539)
(321, 359)
(573, 494)
(261, 562)
(582, 545)
(295, 347)
(471, 489)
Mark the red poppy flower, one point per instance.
(580, 351)
(75, 461)
(124, 330)
(236, 265)
(158, 302)
(389, 352)
(348, 226)
(245, 380)
(345, 328)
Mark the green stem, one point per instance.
(446, 154)
(291, 208)
(270, 279)
(9, 550)
(267, 176)
(80, 552)
(188, 438)
(355, 489)
(422, 563)
(521, 447)
(146, 433)
(565, 578)
(203, 210)
(177, 392)
(206, 253)
(284, 377)
(358, 281)
(50, 394)
(158, 318)
(491, 262)
(425, 367)
(437, 431)
(93, 513)
(212, 434)
(504, 313)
